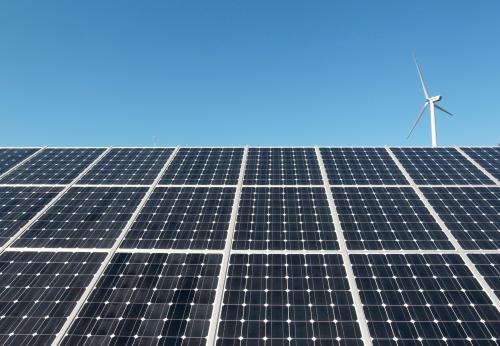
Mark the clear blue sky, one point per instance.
(76, 73)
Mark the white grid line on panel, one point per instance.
(478, 166)
(358, 306)
(54, 249)
(69, 320)
(52, 202)
(13, 168)
(463, 254)
(217, 307)
(182, 251)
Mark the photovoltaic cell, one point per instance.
(488, 158)
(282, 166)
(149, 299)
(389, 218)
(439, 166)
(18, 205)
(204, 166)
(424, 299)
(53, 166)
(38, 292)
(135, 166)
(84, 217)
(11, 157)
(361, 166)
(488, 266)
(287, 300)
(288, 218)
(472, 214)
(183, 218)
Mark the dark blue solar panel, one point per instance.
(38, 292)
(488, 158)
(135, 166)
(287, 300)
(488, 266)
(11, 157)
(472, 214)
(84, 217)
(18, 205)
(149, 299)
(53, 166)
(361, 166)
(440, 166)
(282, 166)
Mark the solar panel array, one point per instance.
(250, 246)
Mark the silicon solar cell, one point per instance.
(11, 157)
(424, 299)
(85, 217)
(183, 218)
(287, 300)
(136, 166)
(389, 218)
(488, 158)
(439, 166)
(472, 214)
(39, 291)
(291, 218)
(53, 166)
(361, 166)
(488, 266)
(18, 205)
(149, 299)
(282, 166)
(204, 166)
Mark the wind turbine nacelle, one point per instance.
(436, 98)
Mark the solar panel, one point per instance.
(389, 218)
(439, 166)
(291, 218)
(488, 266)
(11, 157)
(39, 291)
(85, 217)
(287, 300)
(472, 214)
(149, 299)
(18, 205)
(183, 218)
(282, 166)
(361, 166)
(136, 166)
(424, 299)
(53, 166)
(488, 158)
(204, 166)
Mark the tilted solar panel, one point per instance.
(361, 166)
(288, 218)
(282, 166)
(11, 157)
(85, 217)
(488, 266)
(488, 158)
(135, 166)
(53, 166)
(440, 166)
(149, 299)
(389, 218)
(472, 214)
(39, 291)
(18, 205)
(183, 218)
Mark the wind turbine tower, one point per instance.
(430, 102)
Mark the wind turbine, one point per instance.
(430, 102)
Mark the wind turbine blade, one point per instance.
(418, 119)
(442, 109)
(421, 78)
